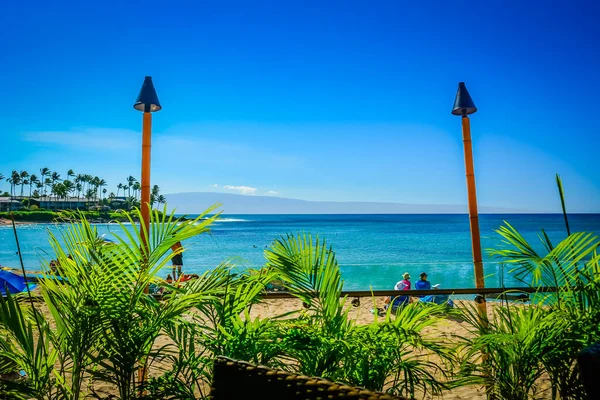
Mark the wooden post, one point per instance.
(145, 189)
(145, 210)
(473, 214)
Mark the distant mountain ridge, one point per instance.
(196, 202)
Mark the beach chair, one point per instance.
(233, 379)
(588, 360)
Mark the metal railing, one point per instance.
(459, 291)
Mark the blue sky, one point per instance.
(317, 100)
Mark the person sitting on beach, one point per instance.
(398, 301)
(423, 283)
(169, 279)
(438, 298)
(404, 284)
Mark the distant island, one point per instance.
(196, 202)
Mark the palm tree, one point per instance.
(60, 190)
(79, 184)
(154, 195)
(43, 173)
(69, 187)
(119, 187)
(70, 173)
(48, 183)
(55, 177)
(161, 199)
(130, 181)
(136, 189)
(1, 176)
(99, 183)
(86, 179)
(10, 182)
(90, 194)
(24, 181)
(33, 180)
(15, 180)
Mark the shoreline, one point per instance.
(8, 222)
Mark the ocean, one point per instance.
(373, 250)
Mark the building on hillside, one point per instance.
(118, 202)
(9, 204)
(72, 203)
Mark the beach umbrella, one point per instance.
(464, 106)
(147, 102)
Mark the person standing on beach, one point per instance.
(423, 283)
(177, 260)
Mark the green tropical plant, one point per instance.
(398, 356)
(506, 352)
(106, 322)
(573, 268)
(393, 355)
(311, 273)
(25, 346)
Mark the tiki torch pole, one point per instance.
(463, 106)
(147, 102)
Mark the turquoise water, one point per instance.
(373, 250)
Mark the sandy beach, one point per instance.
(8, 222)
(362, 315)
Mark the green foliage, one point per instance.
(39, 215)
(513, 343)
(25, 345)
(392, 355)
(31, 216)
(106, 323)
(573, 266)
(397, 355)
(573, 311)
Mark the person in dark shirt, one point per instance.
(177, 260)
(423, 283)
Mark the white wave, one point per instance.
(233, 220)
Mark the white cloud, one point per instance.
(242, 189)
(94, 138)
(272, 192)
